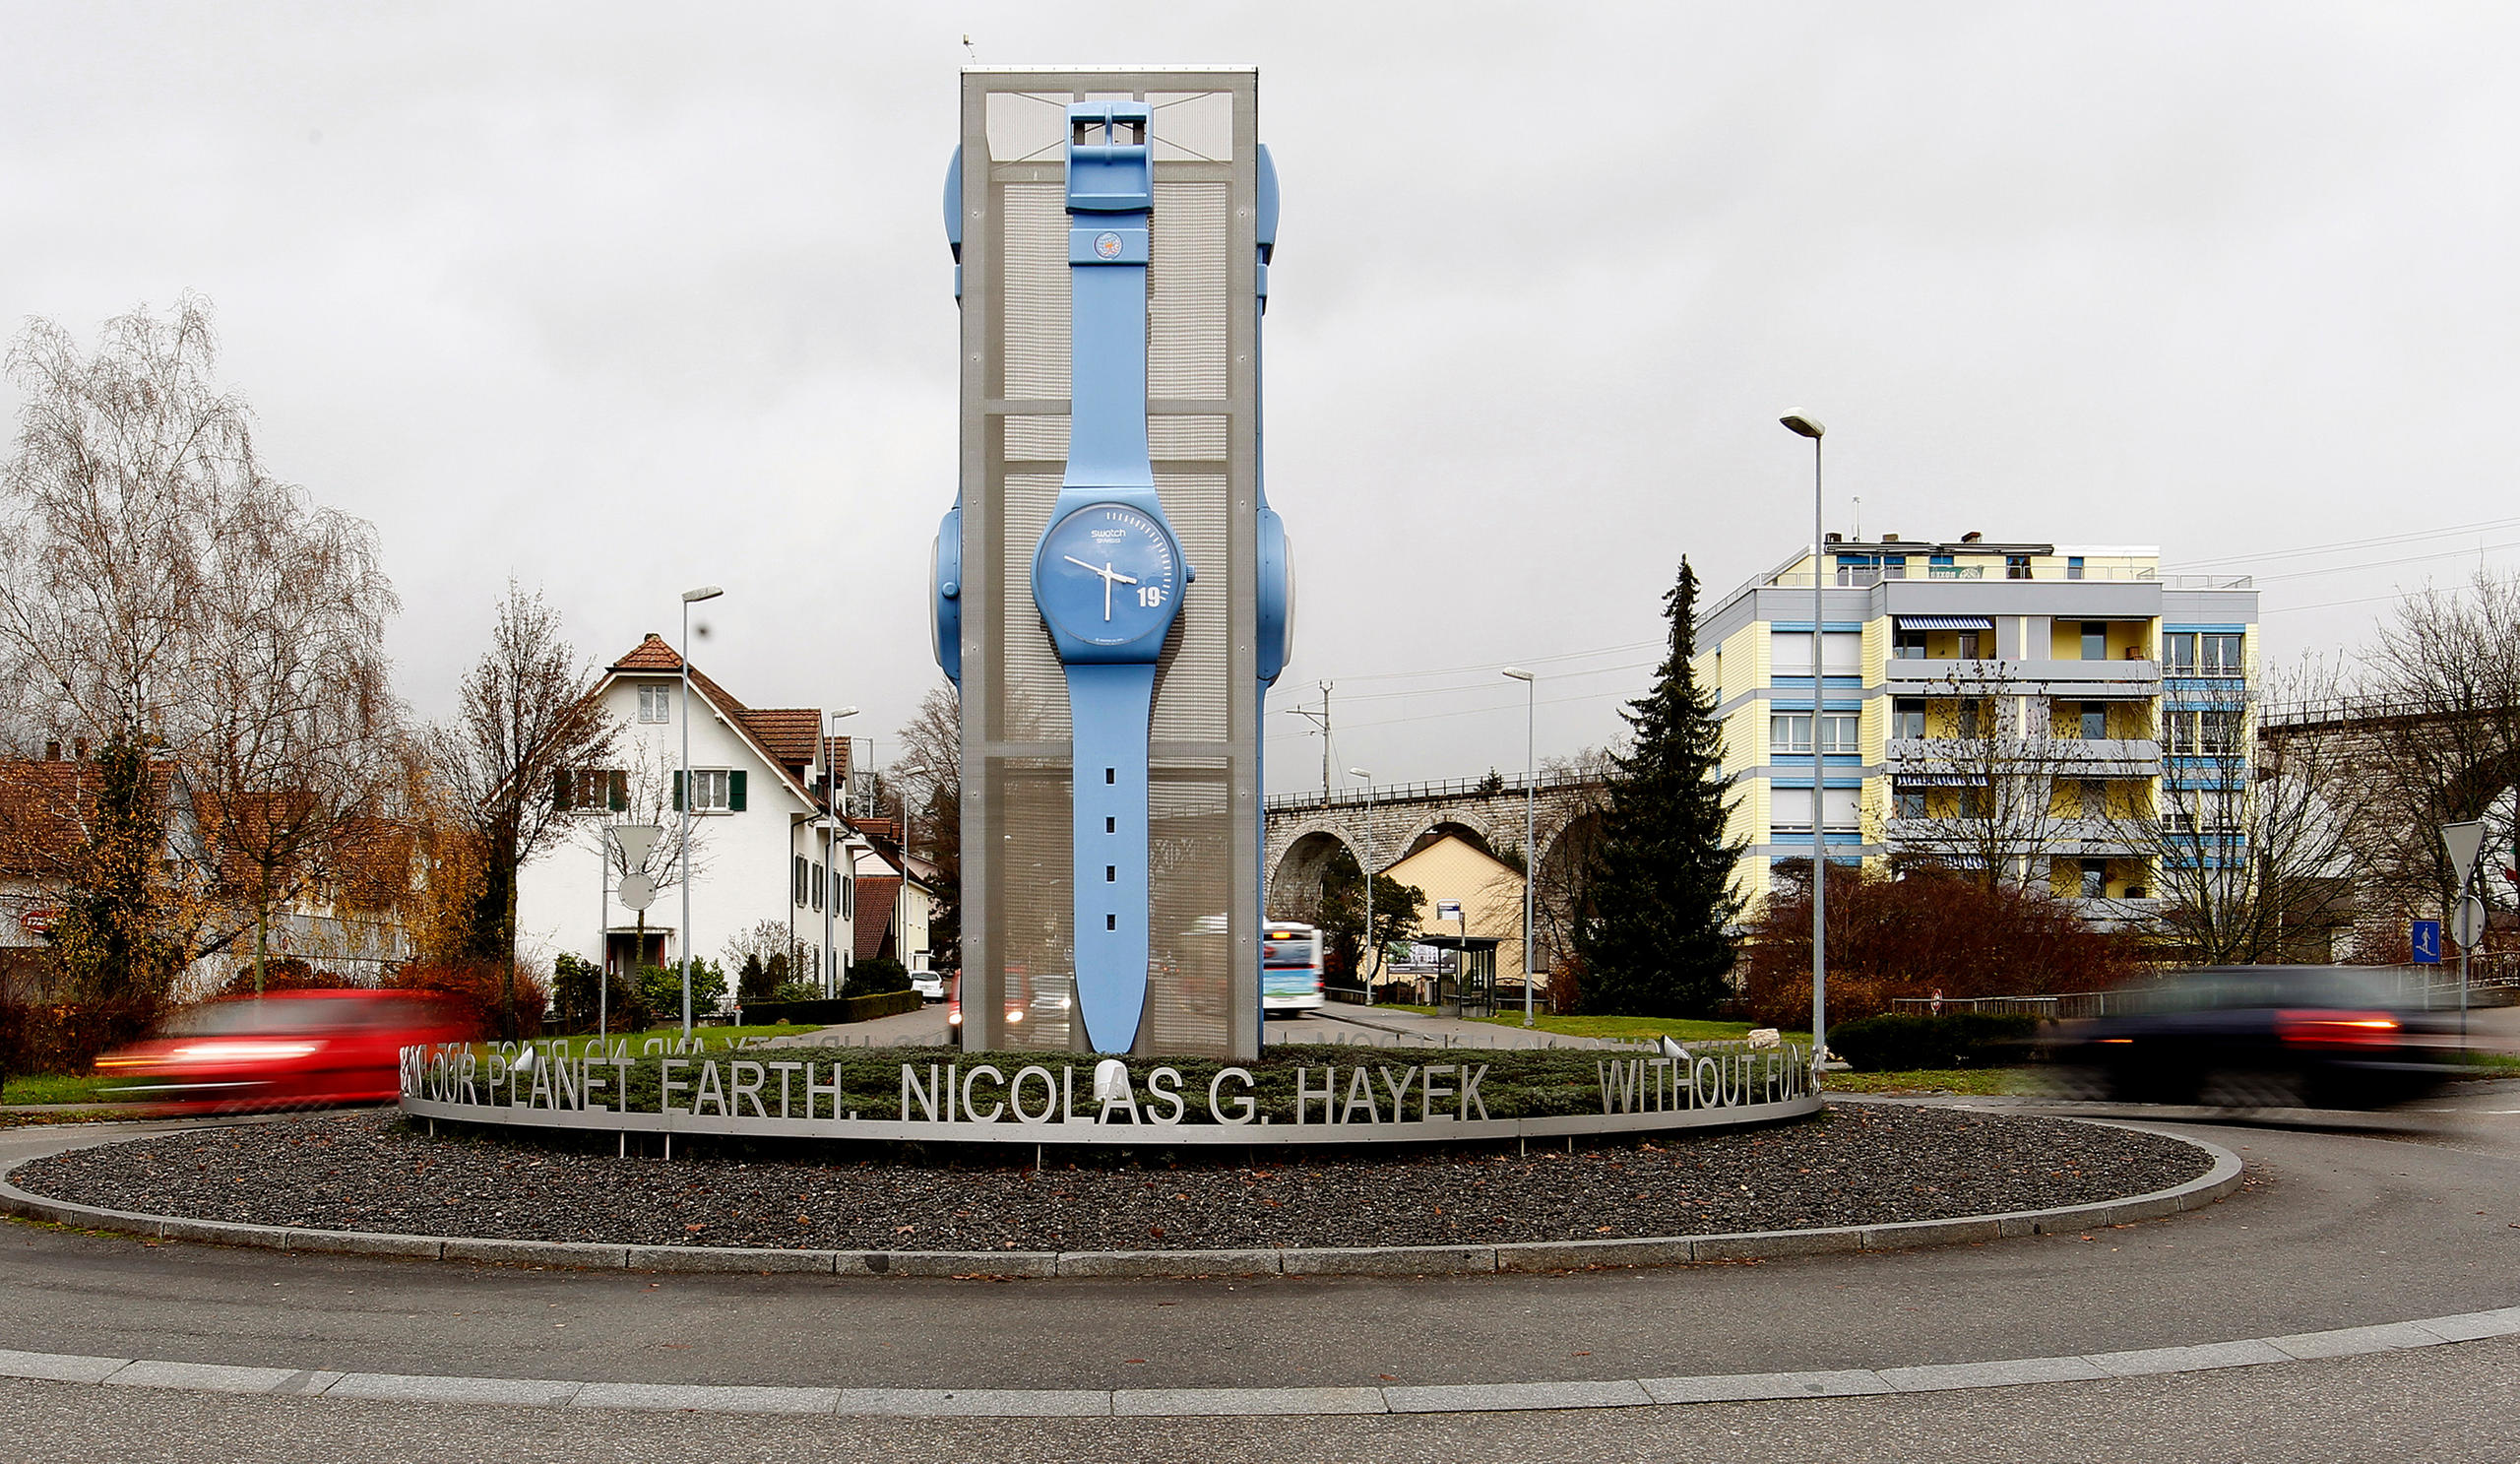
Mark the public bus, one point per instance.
(1289, 967)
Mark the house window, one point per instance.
(594, 789)
(2095, 879)
(1790, 810)
(2219, 655)
(2016, 566)
(1908, 717)
(818, 887)
(1838, 732)
(1908, 645)
(1977, 717)
(2179, 653)
(2218, 732)
(1790, 733)
(710, 791)
(2074, 567)
(1908, 803)
(849, 897)
(2095, 640)
(2095, 722)
(2095, 798)
(656, 703)
(797, 878)
(1971, 646)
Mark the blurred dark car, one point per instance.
(284, 1050)
(2267, 1037)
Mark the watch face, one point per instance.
(1107, 574)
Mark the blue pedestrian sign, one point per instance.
(2426, 939)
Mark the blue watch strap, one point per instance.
(1109, 708)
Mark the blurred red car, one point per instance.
(287, 1049)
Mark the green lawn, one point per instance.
(49, 1088)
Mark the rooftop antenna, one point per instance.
(1859, 518)
(969, 53)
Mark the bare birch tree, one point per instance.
(1986, 771)
(159, 589)
(2247, 846)
(524, 716)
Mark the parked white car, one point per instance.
(929, 985)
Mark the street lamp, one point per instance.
(1368, 780)
(831, 874)
(1531, 856)
(690, 795)
(1804, 426)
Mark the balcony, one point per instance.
(2099, 838)
(2058, 757)
(2082, 681)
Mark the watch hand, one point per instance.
(1106, 572)
(1122, 578)
(1079, 563)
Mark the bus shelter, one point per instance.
(1471, 989)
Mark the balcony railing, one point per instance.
(2016, 678)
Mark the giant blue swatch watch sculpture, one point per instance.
(1108, 574)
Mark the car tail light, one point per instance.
(2335, 1029)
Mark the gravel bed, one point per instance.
(1860, 1164)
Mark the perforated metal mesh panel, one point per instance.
(1205, 807)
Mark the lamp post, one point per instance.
(830, 875)
(690, 796)
(1531, 856)
(1804, 426)
(1368, 780)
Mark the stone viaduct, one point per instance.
(1381, 826)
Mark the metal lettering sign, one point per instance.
(767, 1093)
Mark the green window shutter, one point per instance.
(677, 789)
(736, 790)
(618, 792)
(560, 788)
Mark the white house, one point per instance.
(765, 843)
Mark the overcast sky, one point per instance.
(618, 299)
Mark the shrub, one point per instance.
(66, 1037)
(284, 974)
(479, 989)
(882, 974)
(830, 1012)
(661, 989)
(795, 991)
(1903, 1042)
(1892, 936)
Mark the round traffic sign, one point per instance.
(2468, 926)
(638, 891)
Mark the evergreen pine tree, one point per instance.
(1659, 894)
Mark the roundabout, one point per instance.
(2342, 1251)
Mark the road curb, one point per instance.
(1235, 1402)
(2219, 1180)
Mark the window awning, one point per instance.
(1938, 780)
(1945, 623)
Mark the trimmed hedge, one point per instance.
(1904, 1043)
(832, 1011)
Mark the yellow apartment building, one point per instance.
(2047, 692)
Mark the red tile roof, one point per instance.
(43, 806)
(876, 892)
(786, 733)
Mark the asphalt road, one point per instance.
(2336, 1228)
